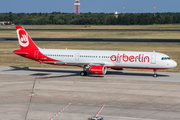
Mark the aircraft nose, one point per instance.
(173, 64)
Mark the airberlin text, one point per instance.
(132, 58)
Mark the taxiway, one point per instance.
(40, 93)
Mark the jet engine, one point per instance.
(98, 69)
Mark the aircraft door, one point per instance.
(153, 59)
(77, 56)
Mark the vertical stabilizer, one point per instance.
(25, 42)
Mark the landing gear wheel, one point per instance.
(83, 73)
(155, 75)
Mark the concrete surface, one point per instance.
(40, 93)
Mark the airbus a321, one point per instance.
(95, 61)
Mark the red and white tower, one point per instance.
(77, 7)
(123, 9)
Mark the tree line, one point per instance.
(58, 18)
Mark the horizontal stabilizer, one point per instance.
(21, 53)
(9, 52)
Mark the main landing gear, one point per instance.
(155, 73)
(84, 72)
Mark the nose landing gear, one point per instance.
(155, 73)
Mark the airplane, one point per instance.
(95, 61)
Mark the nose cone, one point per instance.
(173, 64)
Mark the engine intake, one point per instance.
(98, 69)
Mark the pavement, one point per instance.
(62, 94)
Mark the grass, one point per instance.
(99, 34)
(173, 50)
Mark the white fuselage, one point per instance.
(95, 61)
(111, 59)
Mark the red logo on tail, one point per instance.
(23, 38)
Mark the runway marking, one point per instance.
(59, 112)
(99, 111)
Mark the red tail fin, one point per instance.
(25, 42)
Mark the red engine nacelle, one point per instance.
(98, 69)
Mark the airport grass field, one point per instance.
(171, 49)
(159, 27)
(97, 34)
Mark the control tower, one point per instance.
(77, 7)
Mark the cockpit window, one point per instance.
(165, 58)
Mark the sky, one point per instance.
(94, 6)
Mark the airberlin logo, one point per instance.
(23, 38)
(132, 58)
